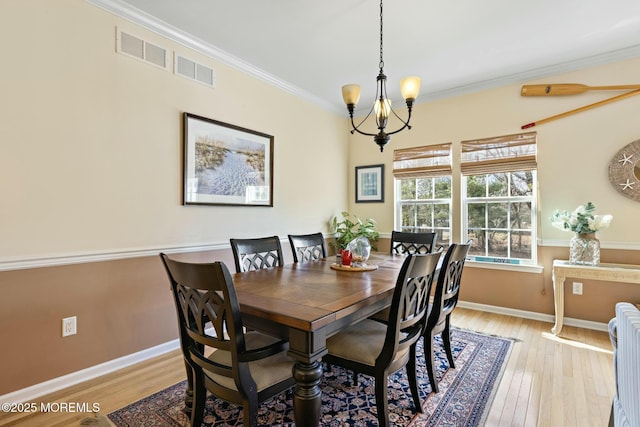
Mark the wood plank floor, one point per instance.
(549, 381)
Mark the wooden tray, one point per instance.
(366, 267)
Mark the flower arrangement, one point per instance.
(581, 221)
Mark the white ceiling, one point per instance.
(312, 48)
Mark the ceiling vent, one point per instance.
(136, 47)
(194, 71)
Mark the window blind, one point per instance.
(499, 154)
(422, 162)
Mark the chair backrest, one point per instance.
(255, 254)
(445, 297)
(404, 242)
(307, 247)
(409, 305)
(205, 293)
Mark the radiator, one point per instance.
(626, 402)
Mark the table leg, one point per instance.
(307, 397)
(558, 301)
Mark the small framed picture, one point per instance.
(370, 184)
(226, 164)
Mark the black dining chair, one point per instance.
(307, 247)
(405, 242)
(445, 299)
(258, 253)
(245, 368)
(379, 350)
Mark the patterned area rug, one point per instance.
(464, 399)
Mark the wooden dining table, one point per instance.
(306, 303)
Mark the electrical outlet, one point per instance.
(577, 288)
(69, 326)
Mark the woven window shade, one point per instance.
(422, 162)
(500, 154)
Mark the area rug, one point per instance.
(464, 399)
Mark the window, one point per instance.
(423, 190)
(499, 198)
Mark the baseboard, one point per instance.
(549, 318)
(38, 390)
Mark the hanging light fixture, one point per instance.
(409, 86)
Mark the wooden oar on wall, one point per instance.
(576, 90)
(563, 89)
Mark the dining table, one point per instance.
(308, 302)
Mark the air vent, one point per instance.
(194, 71)
(136, 47)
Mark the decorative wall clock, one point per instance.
(624, 171)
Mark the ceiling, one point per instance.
(312, 48)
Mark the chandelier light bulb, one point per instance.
(382, 109)
(410, 87)
(351, 94)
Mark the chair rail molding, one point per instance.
(98, 256)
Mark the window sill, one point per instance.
(509, 267)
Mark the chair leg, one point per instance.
(354, 378)
(430, 361)
(199, 398)
(188, 395)
(446, 341)
(413, 379)
(381, 400)
(250, 412)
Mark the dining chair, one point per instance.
(378, 349)
(405, 242)
(307, 247)
(445, 299)
(258, 253)
(245, 368)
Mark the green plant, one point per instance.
(350, 227)
(581, 221)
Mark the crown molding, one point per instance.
(151, 23)
(536, 73)
(143, 19)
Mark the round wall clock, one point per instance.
(624, 171)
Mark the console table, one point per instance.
(609, 272)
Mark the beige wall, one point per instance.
(92, 141)
(573, 152)
(573, 158)
(91, 166)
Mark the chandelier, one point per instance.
(409, 86)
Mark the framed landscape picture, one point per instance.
(370, 184)
(226, 164)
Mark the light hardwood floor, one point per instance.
(549, 381)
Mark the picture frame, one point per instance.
(225, 164)
(370, 184)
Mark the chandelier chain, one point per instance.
(381, 61)
(381, 108)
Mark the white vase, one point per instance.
(584, 249)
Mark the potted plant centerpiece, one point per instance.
(350, 229)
